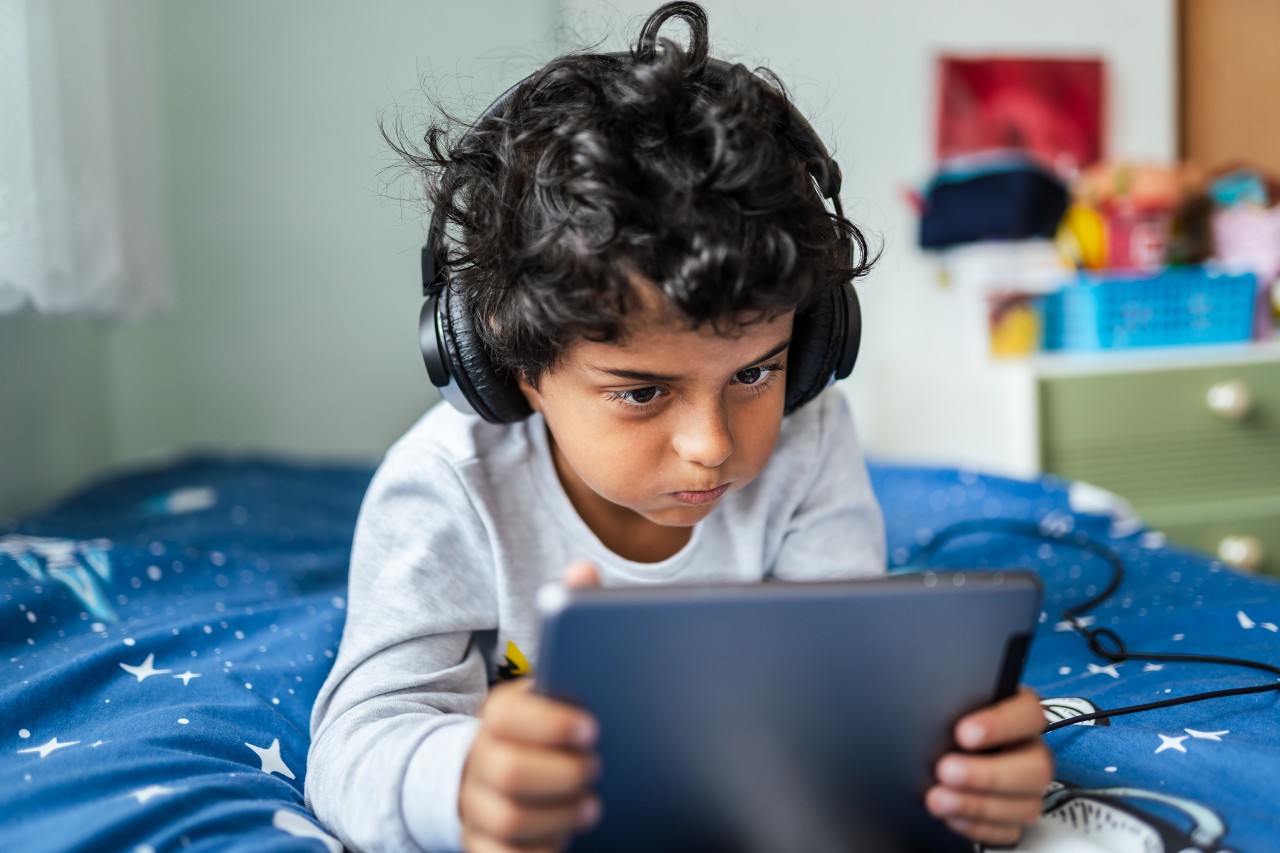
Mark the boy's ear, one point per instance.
(530, 394)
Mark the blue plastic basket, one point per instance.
(1180, 305)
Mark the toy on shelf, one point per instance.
(1133, 265)
(1042, 243)
(1135, 216)
(1246, 233)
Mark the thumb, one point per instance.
(579, 574)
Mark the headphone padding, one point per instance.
(495, 396)
(816, 339)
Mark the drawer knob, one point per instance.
(1231, 400)
(1244, 552)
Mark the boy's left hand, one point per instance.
(990, 798)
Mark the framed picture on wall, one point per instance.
(1053, 109)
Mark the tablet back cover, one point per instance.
(796, 717)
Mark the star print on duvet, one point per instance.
(163, 639)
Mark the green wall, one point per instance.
(54, 419)
(294, 274)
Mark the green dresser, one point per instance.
(1195, 449)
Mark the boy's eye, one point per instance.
(758, 377)
(639, 396)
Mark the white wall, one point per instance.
(863, 71)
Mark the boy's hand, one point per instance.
(991, 798)
(579, 574)
(527, 783)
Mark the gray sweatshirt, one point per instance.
(463, 523)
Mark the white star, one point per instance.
(1167, 742)
(1109, 669)
(1245, 621)
(271, 760)
(1083, 621)
(1153, 667)
(144, 670)
(45, 749)
(187, 676)
(192, 499)
(1207, 735)
(144, 794)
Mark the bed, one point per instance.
(166, 629)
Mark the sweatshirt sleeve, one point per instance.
(837, 530)
(393, 722)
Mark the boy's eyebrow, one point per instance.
(644, 376)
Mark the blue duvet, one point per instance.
(166, 630)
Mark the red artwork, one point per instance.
(1051, 108)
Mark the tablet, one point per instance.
(782, 716)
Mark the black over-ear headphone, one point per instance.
(824, 340)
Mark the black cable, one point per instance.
(1113, 649)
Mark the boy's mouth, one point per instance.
(703, 497)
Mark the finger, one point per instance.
(535, 773)
(579, 574)
(1015, 719)
(989, 834)
(513, 712)
(496, 816)
(949, 803)
(1019, 771)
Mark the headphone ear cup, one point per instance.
(493, 394)
(824, 345)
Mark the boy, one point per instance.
(642, 251)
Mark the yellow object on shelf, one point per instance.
(1082, 237)
(1015, 329)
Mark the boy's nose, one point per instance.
(702, 435)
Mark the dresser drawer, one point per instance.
(1153, 437)
(1207, 527)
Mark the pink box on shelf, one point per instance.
(1247, 237)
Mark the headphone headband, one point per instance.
(825, 340)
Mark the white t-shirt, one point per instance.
(463, 523)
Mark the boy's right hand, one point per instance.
(528, 781)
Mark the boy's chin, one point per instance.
(681, 515)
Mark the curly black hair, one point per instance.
(605, 167)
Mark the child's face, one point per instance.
(658, 428)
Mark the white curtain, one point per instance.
(68, 241)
